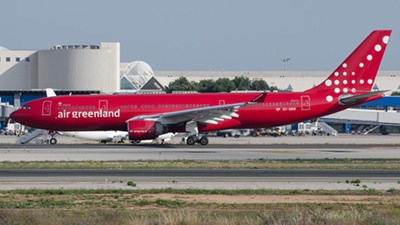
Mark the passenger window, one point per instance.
(125, 106)
(121, 107)
(197, 105)
(94, 107)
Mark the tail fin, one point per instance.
(357, 73)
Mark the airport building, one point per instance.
(94, 69)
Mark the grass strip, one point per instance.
(261, 163)
(48, 192)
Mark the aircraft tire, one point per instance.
(204, 141)
(191, 140)
(53, 141)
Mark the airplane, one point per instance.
(148, 116)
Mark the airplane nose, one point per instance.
(16, 116)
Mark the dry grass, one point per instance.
(263, 163)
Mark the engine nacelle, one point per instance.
(144, 129)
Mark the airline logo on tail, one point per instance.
(358, 72)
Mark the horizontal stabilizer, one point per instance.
(349, 99)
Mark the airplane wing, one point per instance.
(207, 115)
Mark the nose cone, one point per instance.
(17, 116)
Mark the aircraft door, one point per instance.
(305, 102)
(103, 105)
(46, 108)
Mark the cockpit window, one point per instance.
(26, 107)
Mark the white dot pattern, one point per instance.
(328, 82)
(385, 39)
(341, 84)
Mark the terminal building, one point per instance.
(95, 69)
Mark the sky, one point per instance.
(217, 35)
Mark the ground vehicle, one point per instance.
(274, 132)
(229, 133)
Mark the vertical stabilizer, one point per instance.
(358, 72)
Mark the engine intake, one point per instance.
(144, 129)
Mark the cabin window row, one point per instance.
(77, 107)
(276, 103)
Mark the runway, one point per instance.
(219, 149)
(78, 152)
(205, 179)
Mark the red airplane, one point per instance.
(146, 116)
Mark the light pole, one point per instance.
(285, 61)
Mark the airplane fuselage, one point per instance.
(109, 112)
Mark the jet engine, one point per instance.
(145, 129)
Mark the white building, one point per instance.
(68, 67)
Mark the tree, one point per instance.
(259, 85)
(242, 83)
(207, 86)
(182, 84)
(224, 85)
(395, 93)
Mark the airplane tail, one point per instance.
(358, 72)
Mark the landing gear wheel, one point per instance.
(191, 140)
(53, 141)
(204, 141)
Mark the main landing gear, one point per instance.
(191, 126)
(191, 140)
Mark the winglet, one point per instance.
(260, 98)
